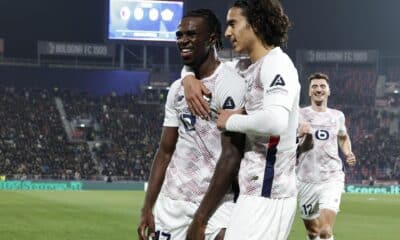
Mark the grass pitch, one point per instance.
(109, 215)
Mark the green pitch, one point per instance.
(109, 215)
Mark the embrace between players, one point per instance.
(224, 173)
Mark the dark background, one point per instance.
(317, 24)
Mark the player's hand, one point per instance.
(306, 144)
(351, 159)
(196, 230)
(303, 129)
(223, 116)
(146, 226)
(194, 91)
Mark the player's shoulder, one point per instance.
(175, 86)
(228, 77)
(307, 110)
(228, 70)
(278, 59)
(277, 65)
(335, 112)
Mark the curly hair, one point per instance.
(267, 18)
(213, 24)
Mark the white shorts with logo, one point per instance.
(260, 218)
(316, 196)
(173, 217)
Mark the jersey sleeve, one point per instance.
(342, 125)
(281, 83)
(171, 118)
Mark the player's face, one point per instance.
(319, 90)
(239, 31)
(193, 40)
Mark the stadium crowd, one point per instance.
(124, 135)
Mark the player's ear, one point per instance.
(328, 91)
(213, 39)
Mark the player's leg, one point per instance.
(309, 208)
(327, 220)
(329, 207)
(312, 228)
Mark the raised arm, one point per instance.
(162, 158)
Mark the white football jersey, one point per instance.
(199, 143)
(268, 167)
(322, 163)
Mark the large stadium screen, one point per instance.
(143, 20)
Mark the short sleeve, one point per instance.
(342, 125)
(171, 118)
(281, 82)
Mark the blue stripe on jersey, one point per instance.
(269, 167)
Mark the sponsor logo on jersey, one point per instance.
(229, 103)
(278, 81)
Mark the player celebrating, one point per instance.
(267, 202)
(320, 171)
(190, 146)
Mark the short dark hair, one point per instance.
(267, 18)
(213, 24)
(318, 75)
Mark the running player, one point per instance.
(320, 171)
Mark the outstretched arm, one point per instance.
(161, 161)
(225, 173)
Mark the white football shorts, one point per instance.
(173, 217)
(316, 196)
(260, 218)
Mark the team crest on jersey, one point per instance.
(180, 98)
(229, 103)
(278, 81)
(188, 121)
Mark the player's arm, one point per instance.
(225, 173)
(280, 89)
(305, 138)
(157, 174)
(345, 142)
(194, 91)
(272, 120)
(345, 147)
